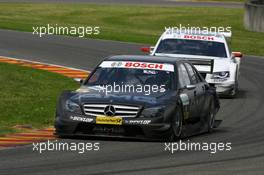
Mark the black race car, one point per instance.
(139, 97)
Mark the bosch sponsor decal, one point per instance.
(199, 37)
(138, 65)
(144, 65)
(81, 119)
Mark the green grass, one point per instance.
(29, 96)
(141, 24)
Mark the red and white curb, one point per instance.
(66, 71)
(25, 138)
(40, 135)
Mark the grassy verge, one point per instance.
(29, 96)
(142, 24)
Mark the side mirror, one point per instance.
(81, 81)
(190, 87)
(237, 54)
(145, 49)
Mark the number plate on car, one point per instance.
(109, 120)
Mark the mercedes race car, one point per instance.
(196, 46)
(139, 97)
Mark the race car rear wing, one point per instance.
(226, 34)
(203, 65)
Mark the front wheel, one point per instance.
(176, 127)
(211, 118)
(234, 91)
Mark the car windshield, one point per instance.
(128, 76)
(192, 47)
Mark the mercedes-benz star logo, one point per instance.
(109, 111)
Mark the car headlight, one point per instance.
(221, 75)
(153, 112)
(73, 107)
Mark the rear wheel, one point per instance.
(176, 127)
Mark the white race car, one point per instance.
(199, 49)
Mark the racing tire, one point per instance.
(234, 91)
(176, 127)
(211, 118)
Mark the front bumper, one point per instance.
(145, 128)
(224, 89)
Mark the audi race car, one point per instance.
(139, 97)
(196, 46)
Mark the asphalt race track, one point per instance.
(242, 126)
(142, 2)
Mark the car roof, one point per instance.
(145, 58)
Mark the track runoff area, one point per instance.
(41, 135)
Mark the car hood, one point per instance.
(220, 64)
(92, 94)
